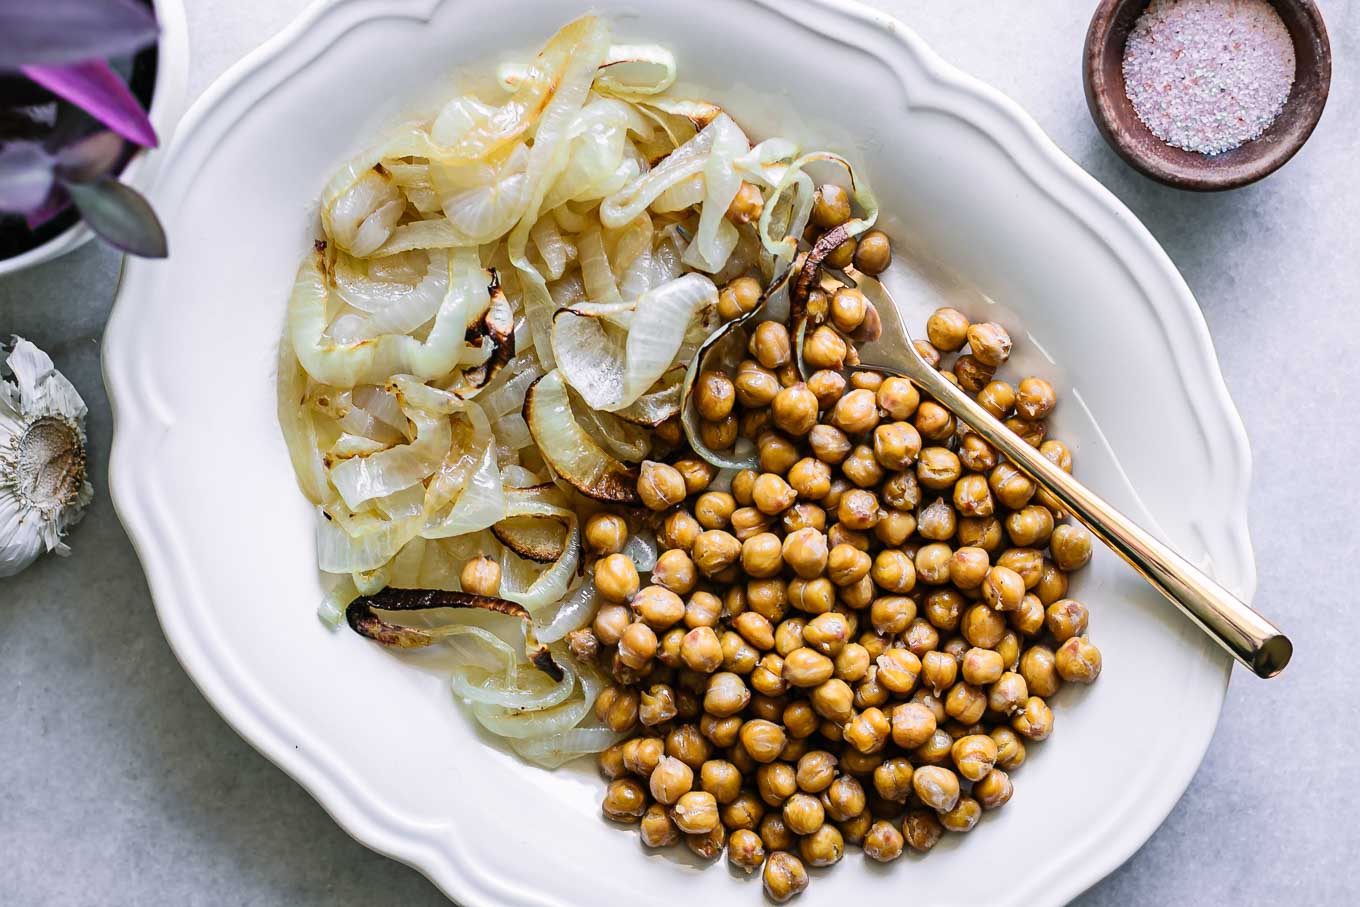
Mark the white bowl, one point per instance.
(983, 207)
(167, 103)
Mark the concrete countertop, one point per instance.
(120, 785)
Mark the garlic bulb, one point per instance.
(43, 486)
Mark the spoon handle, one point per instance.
(1245, 634)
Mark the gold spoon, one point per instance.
(1230, 622)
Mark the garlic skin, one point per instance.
(43, 484)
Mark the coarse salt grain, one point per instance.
(1208, 75)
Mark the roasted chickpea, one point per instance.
(815, 596)
(657, 606)
(998, 398)
(657, 705)
(844, 799)
(784, 876)
(1035, 399)
(933, 421)
(1010, 748)
(804, 516)
(824, 349)
(755, 385)
(714, 551)
(902, 491)
(935, 751)
(897, 671)
(679, 530)
(932, 563)
(963, 816)
(762, 739)
(1034, 720)
(756, 629)
(873, 254)
(686, 743)
(738, 655)
(760, 555)
(868, 731)
(1027, 563)
(965, 702)
(883, 842)
(938, 468)
(770, 345)
(972, 497)
(993, 790)
(974, 755)
(806, 667)
(972, 374)
(982, 666)
(937, 521)
(675, 571)
(830, 206)
(606, 533)
(921, 637)
(827, 633)
(1032, 433)
(968, 567)
(745, 811)
(637, 646)
(979, 532)
(927, 351)
(1038, 667)
(481, 576)
(695, 812)
(1010, 486)
(670, 780)
(856, 413)
(939, 670)
(976, 455)
(1078, 661)
(788, 636)
(772, 495)
(912, 725)
(748, 522)
(1003, 588)
(794, 409)
(869, 693)
(774, 834)
(896, 445)
(898, 398)
(823, 847)
(858, 510)
(745, 850)
(895, 527)
(836, 534)
(862, 467)
(1008, 694)
(714, 509)
(714, 395)
(1052, 583)
(921, 829)
(990, 343)
(947, 329)
(1028, 619)
(660, 485)
(982, 626)
(776, 782)
(827, 386)
(743, 294)
(616, 580)
(833, 700)
(657, 829)
(805, 551)
(829, 444)
(1071, 547)
(624, 800)
(1030, 526)
(937, 787)
(1066, 618)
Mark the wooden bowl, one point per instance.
(1103, 75)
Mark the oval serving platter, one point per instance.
(987, 214)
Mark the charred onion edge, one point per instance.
(689, 418)
(618, 485)
(501, 333)
(509, 539)
(363, 621)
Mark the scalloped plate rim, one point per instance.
(354, 808)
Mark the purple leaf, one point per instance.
(96, 88)
(120, 215)
(25, 176)
(64, 31)
(90, 158)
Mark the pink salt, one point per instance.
(1208, 75)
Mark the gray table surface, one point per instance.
(120, 785)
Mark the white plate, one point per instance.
(204, 487)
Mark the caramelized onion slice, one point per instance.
(567, 448)
(363, 619)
